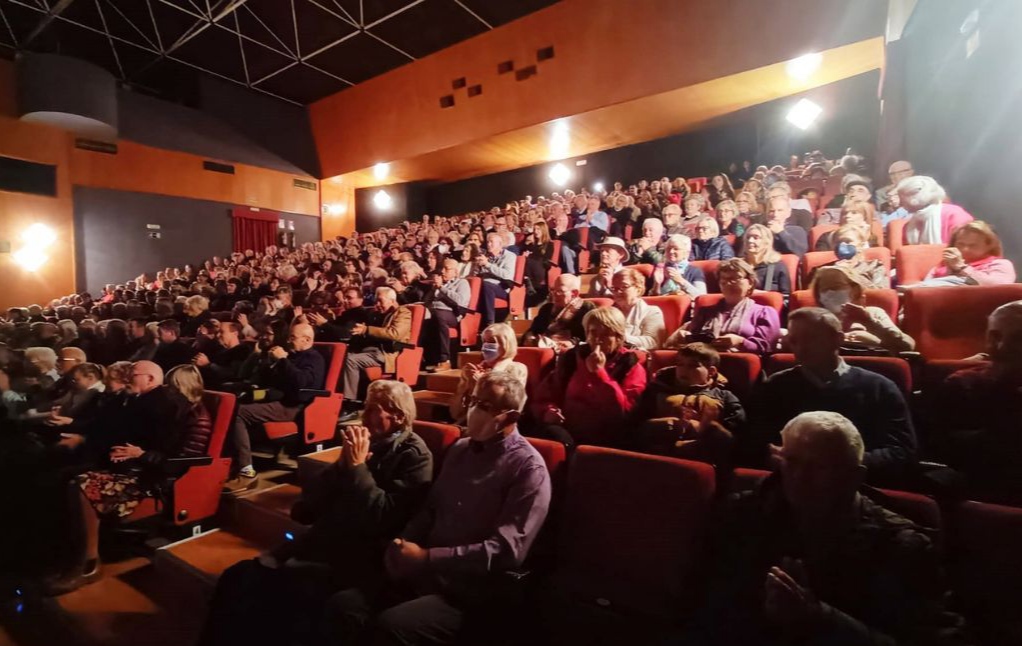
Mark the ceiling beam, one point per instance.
(45, 22)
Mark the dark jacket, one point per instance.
(156, 422)
(339, 330)
(792, 240)
(362, 506)
(190, 325)
(545, 317)
(168, 355)
(225, 365)
(713, 249)
(198, 431)
(296, 372)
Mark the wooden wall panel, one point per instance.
(338, 213)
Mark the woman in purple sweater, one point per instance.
(736, 323)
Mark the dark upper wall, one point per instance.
(409, 203)
(112, 242)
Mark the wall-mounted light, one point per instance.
(381, 171)
(336, 209)
(35, 240)
(803, 67)
(30, 258)
(382, 200)
(560, 174)
(804, 114)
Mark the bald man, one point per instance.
(287, 373)
(896, 172)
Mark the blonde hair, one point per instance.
(769, 254)
(396, 398)
(609, 318)
(505, 337)
(196, 304)
(633, 275)
(119, 371)
(187, 380)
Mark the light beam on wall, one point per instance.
(560, 174)
(382, 200)
(804, 114)
(381, 170)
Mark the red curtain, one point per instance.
(254, 229)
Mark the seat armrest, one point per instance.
(401, 345)
(196, 461)
(315, 392)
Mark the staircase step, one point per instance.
(311, 465)
(443, 381)
(195, 564)
(432, 406)
(521, 326)
(469, 357)
(265, 517)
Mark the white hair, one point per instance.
(512, 395)
(714, 226)
(920, 191)
(656, 224)
(386, 292)
(679, 239)
(672, 208)
(829, 426)
(44, 354)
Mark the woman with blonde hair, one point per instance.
(857, 214)
(749, 209)
(758, 250)
(186, 380)
(728, 221)
(974, 257)
(498, 349)
(196, 309)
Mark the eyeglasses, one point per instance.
(481, 404)
(732, 280)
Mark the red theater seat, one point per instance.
(697, 184)
(515, 302)
(468, 327)
(600, 301)
(936, 371)
(535, 360)
(195, 495)
(950, 322)
(409, 358)
(897, 370)
(438, 438)
(913, 262)
(644, 269)
(741, 369)
(791, 261)
(818, 232)
(317, 421)
(709, 268)
(632, 530)
(896, 235)
(674, 308)
(554, 271)
(885, 299)
(814, 259)
(582, 263)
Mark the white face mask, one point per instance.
(835, 299)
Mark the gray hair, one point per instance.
(714, 226)
(396, 397)
(505, 335)
(671, 208)
(512, 391)
(679, 239)
(827, 426)
(1012, 312)
(816, 316)
(386, 292)
(920, 191)
(47, 355)
(657, 224)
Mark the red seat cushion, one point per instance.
(897, 370)
(950, 323)
(438, 438)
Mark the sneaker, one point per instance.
(241, 483)
(443, 365)
(248, 472)
(71, 580)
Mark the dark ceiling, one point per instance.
(296, 50)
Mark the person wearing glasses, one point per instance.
(644, 323)
(708, 243)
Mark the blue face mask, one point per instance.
(845, 251)
(490, 351)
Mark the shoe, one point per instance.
(71, 580)
(350, 416)
(240, 484)
(443, 365)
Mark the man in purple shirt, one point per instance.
(482, 517)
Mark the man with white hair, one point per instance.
(823, 381)
(649, 248)
(931, 220)
(811, 557)
(495, 266)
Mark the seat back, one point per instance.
(675, 308)
(418, 315)
(221, 411)
(791, 261)
(896, 235)
(620, 545)
(950, 322)
(741, 369)
(438, 438)
(536, 360)
(696, 184)
(818, 232)
(709, 268)
(772, 299)
(885, 299)
(600, 301)
(520, 269)
(897, 370)
(555, 456)
(475, 286)
(912, 262)
(936, 371)
(333, 357)
(644, 269)
(815, 259)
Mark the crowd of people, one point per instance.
(103, 391)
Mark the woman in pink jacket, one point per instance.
(973, 258)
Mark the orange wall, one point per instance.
(606, 52)
(135, 168)
(337, 196)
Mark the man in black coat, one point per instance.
(171, 350)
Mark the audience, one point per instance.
(497, 268)
(850, 242)
(842, 292)
(225, 365)
(558, 324)
(788, 238)
(758, 251)
(446, 301)
(644, 323)
(499, 349)
(973, 257)
(676, 275)
(374, 343)
(613, 254)
(931, 220)
(709, 244)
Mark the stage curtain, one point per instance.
(254, 229)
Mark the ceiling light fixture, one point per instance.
(559, 174)
(382, 200)
(803, 67)
(381, 170)
(804, 114)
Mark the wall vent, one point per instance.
(505, 67)
(459, 83)
(475, 90)
(545, 53)
(525, 72)
(306, 184)
(447, 101)
(217, 167)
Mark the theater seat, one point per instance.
(950, 322)
(986, 567)
(515, 303)
(815, 259)
(438, 438)
(934, 372)
(675, 309)
(913, 262)
(896, 235)
(195, 495)
(818, 232)
(632, 530)
(772, 299)
(409, 358)
(554, 271)
(709, 268)
(467, 331)
(697, 184)
(317, 421)
(791, 262)
(741, 369)
(600, 301)
(897, 370)
(885, 299)
(536, 360)
(582, 262)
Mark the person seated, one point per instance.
(736, 323)
(648, 248)
(822, 380)
(671, 215)
(338, 329)
(749, 210)
(891, 207)
(896, 172)
(479, 522)
(758, 250)
(695, 209)
(281, 382)
(974, 257)
(225, 365)
(686, 410)
(644, 323)
(496, 267)
(719, 189)
(709, 244)
(538, 249)
(842, 292)
(355, 506)
(676, 275)
(728, 222)
(799, 212)
(44, 395)
(373, 344)
(860, 214)
(196, 312)
(409, 284)
(41, 377)
(445, 302)
(586, 397)
(133, 447)
(558, 324)
(79, 406)
(788, 238)
(811, 556)
(931, 220)
(850, 243)
(142, 345)
(171, 350)
(499, 349)
(613, 254)
(977, 411)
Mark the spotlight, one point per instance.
(804, 114)
(381, 170)
(804, 66)
(598, 187)
(382, 200)
(30, 258)
(336, 209)
(559, 174)
(39, 235)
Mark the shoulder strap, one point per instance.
(769, 281)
